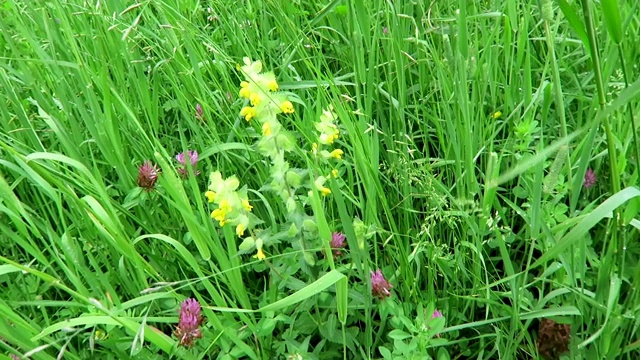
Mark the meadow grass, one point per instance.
(489, 166)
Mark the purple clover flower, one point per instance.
(589, 178)
(337, 244)
(192, 156)
(188, 329)
(380, 287)
(199, 112)
(436, 314)
(147, 175)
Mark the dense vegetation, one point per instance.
(295, 179)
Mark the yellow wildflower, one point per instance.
(255, 99)
(334, 172)
(337, 153)
(272, 85)
(325, 191)
(266, 129)
(260, 254)
(240, 229)
(496, 114)
(246, 205)
(248, 112)
(244, 91)
(219, 215)
(210, 196)
(286, 107)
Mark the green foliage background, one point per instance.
(467, 128)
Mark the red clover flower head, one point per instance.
(589, 178)
(199, 112)
(190, 320)
(147, 175)
(192, 156)
(337, 243)
(379, 285)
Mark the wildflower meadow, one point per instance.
(332, 179)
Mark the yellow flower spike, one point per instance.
(248, 112)
(337, 154)
(287, 107)
(240, 230)
(272, 85)
(266, 129)
(255, 99)
(246, 205)
(334, 172)
(210, 196)
(260, 254)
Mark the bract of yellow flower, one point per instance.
(328, 115)
(287, 107)
(328, 139)
(337, 154)
(211, 196)
(260, 254)
(231, 183)
(248, 112)
(329, 132)
(319, 183)
(250, 67)
(266, 129)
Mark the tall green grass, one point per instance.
(467, 126)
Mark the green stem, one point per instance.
(557, 87)
(613, 161)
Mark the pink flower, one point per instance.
(182, 160)
(199, 112)
(337, 243)
(147, 175)
(436, 314)
(380, 287)
(188, 329)
(589, 178)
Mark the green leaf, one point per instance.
(398, 334)
(603, 210)
(575, 22)
(611, 12)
